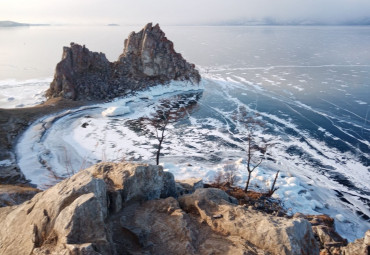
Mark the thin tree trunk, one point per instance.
(247, 185)
(272, 190)
(159, 150)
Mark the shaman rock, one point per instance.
(148, 59)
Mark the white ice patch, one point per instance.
(15, 94)
(5, 162)
(116, 111)
(360, 102)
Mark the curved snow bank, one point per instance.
(119, 105)
(55, 146)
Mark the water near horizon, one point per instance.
(309, 85)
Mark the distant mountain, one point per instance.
(7, 23)
(113, 25)
(270, 21)
(12, 24)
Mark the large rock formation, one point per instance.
(277, 235)
(132, 209)
(148, 59)
(72, 216)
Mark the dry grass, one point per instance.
(258, 200)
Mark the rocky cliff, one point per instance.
(125, 208)
(132, 209)
(148, 59)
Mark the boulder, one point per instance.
(71, 217)
(187, 186)
(358, 247)
(148, 59)
(136, 182)
(277, 235)
(324, 230)
(162, 227)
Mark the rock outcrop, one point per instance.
(71, 216)
(188, 186)
(360, 246)
(125, 208)
(324, 231)
(148, 59)
(277, 235)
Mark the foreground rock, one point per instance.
(148, 59)
(132, 209)
(72, 215)
(360, 246)
(277, 235)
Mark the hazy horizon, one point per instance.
(175, 12)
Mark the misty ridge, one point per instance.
(271, 21)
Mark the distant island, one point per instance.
(113, 25)
(7, 23)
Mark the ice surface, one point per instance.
(76, 139)
(15, 94)
(314, 101)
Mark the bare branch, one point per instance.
(259, 163)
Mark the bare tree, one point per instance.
(168, 112)
(218, 178)
(230, 174)
(160, 121)
(255, 151)
(273, 189)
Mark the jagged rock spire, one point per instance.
(148, 59)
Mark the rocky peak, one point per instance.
(76, 61)
(148, 59)
(151, 53)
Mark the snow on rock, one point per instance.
(114, 111)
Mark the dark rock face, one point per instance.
(148, 59)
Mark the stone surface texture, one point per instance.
(277, 235)
(358, 247)
(127, 208)
(148, 59)
(324, 230)
(187, 186)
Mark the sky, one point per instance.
(184, 12)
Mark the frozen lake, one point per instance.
(309, 85)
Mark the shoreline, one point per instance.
(13, 123)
